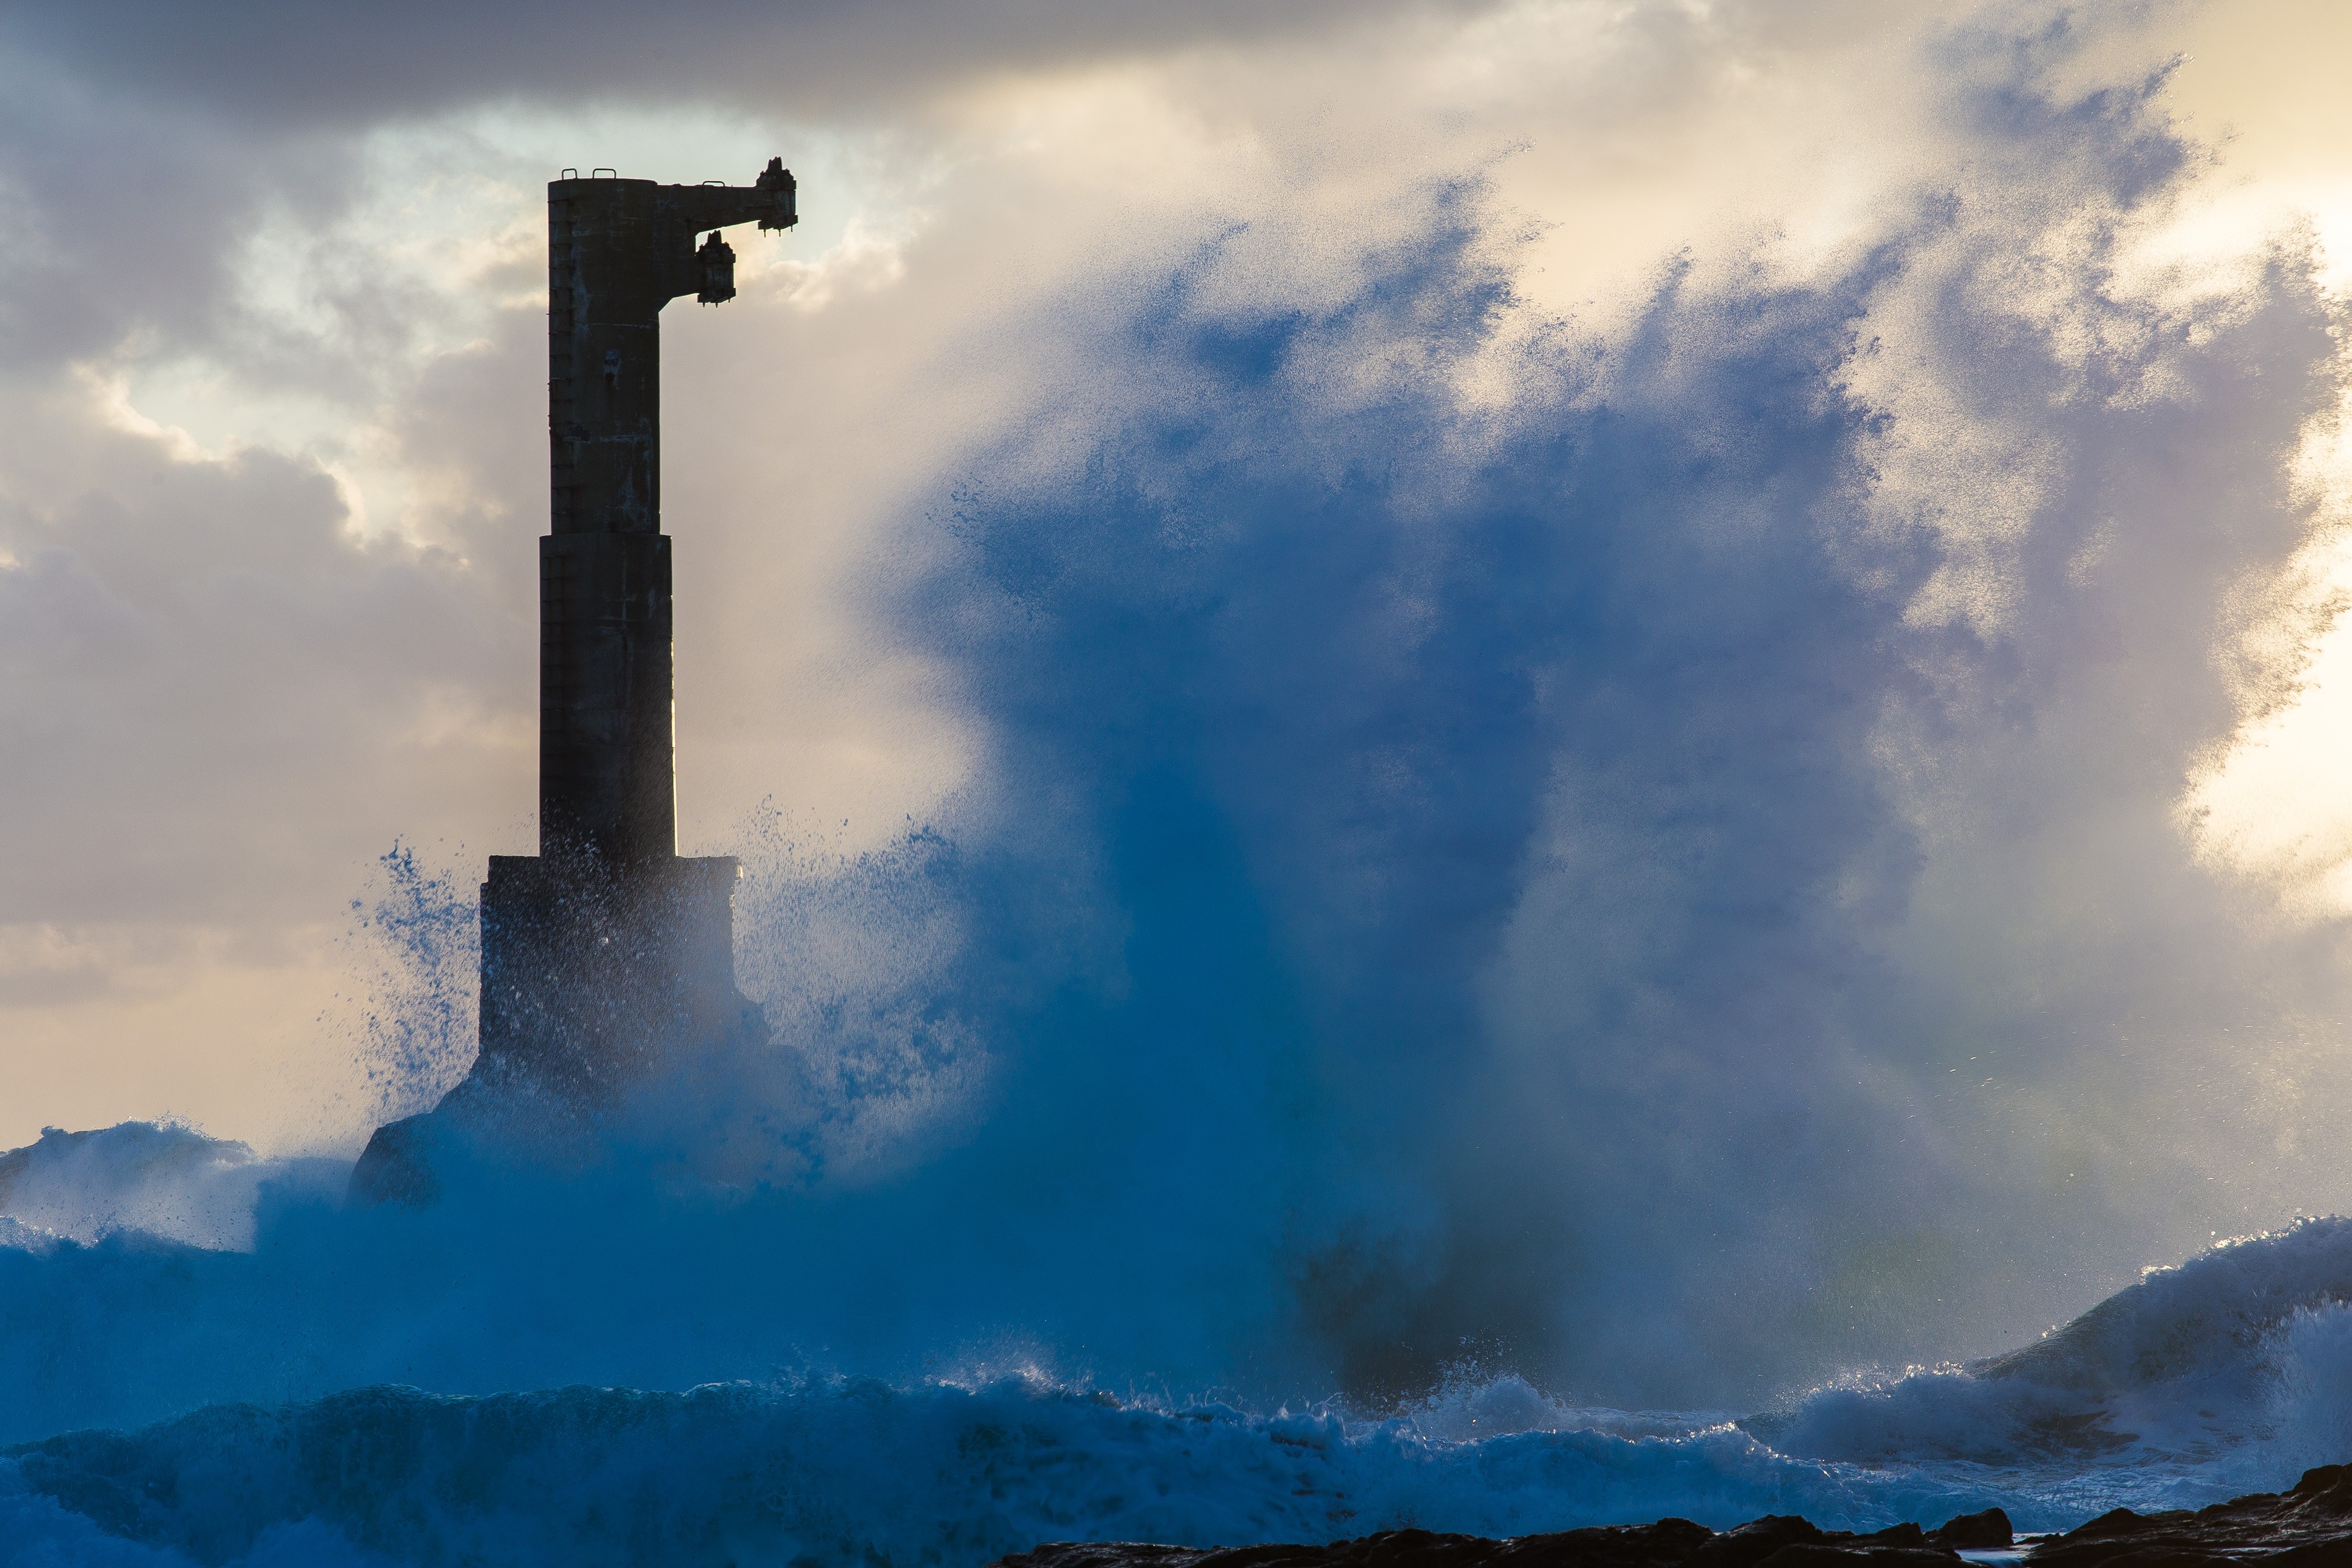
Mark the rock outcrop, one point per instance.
(2303, 1527)
(1781, 1540)
(2308, 1526)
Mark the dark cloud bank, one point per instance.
(294, 65)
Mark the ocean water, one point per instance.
(170, 1402)
(1557, 921)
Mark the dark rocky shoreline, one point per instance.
(2307, 1526)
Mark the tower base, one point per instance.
(593, 976)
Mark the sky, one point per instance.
(1985, 694)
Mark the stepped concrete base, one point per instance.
(593, 977)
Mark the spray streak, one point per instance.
(419, 931)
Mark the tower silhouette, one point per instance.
(606, 952)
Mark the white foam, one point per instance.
(158, 1180)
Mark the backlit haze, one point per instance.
(1892, 851)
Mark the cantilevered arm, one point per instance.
(683, 212)
(769, 202)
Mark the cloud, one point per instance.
(296, 65)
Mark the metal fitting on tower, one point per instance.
(782, 192)
(715, 261)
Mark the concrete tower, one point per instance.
(607, 950)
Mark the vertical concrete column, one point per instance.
(607, 786)
(618, 251)
(605, 294)
(606, 755)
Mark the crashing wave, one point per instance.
(156, 1179)
(2247, 1343)
(852, 1471)
(2240, 1359)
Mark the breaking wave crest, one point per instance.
(2232, 1362)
